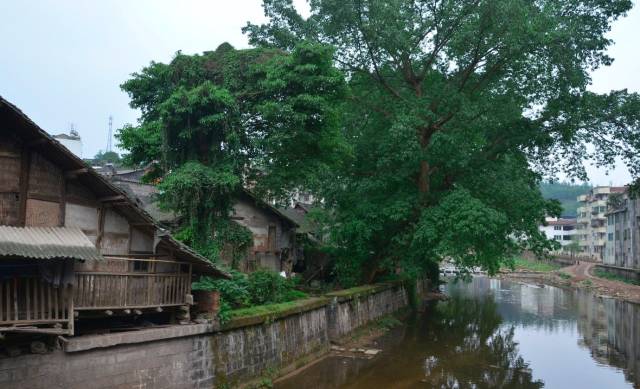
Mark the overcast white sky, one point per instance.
(62, 61)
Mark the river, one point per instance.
(497, 334)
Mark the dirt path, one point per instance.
(581, 277)
(580, 271)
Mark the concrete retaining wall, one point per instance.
(198, 356)
(630, 274)
(352, 310)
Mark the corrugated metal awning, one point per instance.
(46, 243)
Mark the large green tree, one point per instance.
(228, 118)
(456, 111)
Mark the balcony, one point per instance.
(29, 304)
(133, 283)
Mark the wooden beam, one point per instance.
(37, 142)
(76, 173)
(109, 199)
(101, 216)
(145, 224)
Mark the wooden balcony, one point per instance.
(28, 304)
(133, 283)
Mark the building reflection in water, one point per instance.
(498, 334)
(610, 329)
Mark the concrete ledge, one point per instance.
(299, 306)
(89, 342)
(362, 291)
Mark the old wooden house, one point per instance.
(274, 232)
(73, 245)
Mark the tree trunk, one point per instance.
(425, 170)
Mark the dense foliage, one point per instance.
(566, 193)
(227, 118)
(426, 126)
(258, 288)
(104, 157)
(456, 112)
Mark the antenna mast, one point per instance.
(110, 133)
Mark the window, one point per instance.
(566, 237)
(617, 235)
(603, 209)
(610, 236)
(557, 228)
(557, 237)
(610, 220)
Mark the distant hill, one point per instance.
(566, 193)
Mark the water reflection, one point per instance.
(498, 334)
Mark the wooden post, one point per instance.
(8, 298)
(71, 313)
(25, 167)
(63, 201)
(27, 288)
(15, 298)
(101, 217)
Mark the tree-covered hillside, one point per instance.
(566, 193)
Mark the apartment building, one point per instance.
(561, 230)
(591, 229)
(623, 233)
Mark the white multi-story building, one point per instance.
(591, 231)
(561, 230)
(71, 141)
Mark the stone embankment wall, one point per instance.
(350, 310)
(201, 356)
(628, 273)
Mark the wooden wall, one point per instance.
(36, 192)
(270, 234)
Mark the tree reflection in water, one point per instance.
(472, 349)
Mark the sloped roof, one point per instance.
(18, 123)
(46, 243)
(265, 205)
(562, 222)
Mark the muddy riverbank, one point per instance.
(578, 276)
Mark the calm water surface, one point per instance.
(498, 334)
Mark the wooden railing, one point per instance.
(133, 283)
(29, 304)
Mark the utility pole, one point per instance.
(110, 133)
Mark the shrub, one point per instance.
(234, 292)
(266, 287)
(258, 288)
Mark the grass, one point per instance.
(269, 308)
(613, 277)
(387, 322)
(535, 265)
(564, 275)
